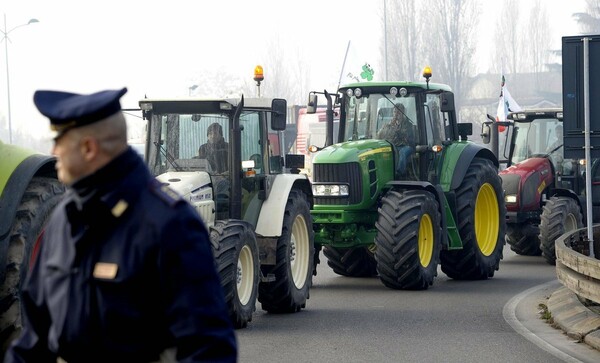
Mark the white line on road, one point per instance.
(508, 312)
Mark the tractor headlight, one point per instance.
(330, 190)
(510, 198)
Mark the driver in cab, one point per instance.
(216, 149)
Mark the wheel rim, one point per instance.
(299, 251)
(425, 240)
(245, 275)
(571, 223)
(487, 223)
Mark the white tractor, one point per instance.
(252, 198)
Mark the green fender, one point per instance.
(457, 159)
(17, 166)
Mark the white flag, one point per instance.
(506, 103)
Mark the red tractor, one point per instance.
(544, 192)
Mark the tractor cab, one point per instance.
(537, 142)
(236, 142)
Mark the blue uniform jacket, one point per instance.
(125, 270)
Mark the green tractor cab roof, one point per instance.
(384, 87)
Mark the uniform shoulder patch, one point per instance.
(165, 193)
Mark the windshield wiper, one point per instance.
(167, 156)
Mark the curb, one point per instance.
(574, 318)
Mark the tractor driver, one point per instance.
(556, 153)
(558, 143)
(216, 149)
(401, 133)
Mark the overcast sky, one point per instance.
(161, 48)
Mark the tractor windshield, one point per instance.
(540, 137)
(201, 142)
(368, 115)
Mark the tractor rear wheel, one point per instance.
(481, 224)
(351, 262)
(236, 254)
(408, 239)
(559, 215)
(294, 266)
(523, 239)
(37, 203)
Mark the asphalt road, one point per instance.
(360, 320)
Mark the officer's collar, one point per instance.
(112, 172)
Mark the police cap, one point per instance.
(70, 110)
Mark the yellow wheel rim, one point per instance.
(487, 219)
(425, 240)
(245, 275)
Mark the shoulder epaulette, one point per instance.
(165, 193)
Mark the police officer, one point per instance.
(125, 271)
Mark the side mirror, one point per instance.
(311, 107)
(486, 133)
(465, 129)
(279, 114)
(447, 99)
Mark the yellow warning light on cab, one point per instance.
(427, 72)
(258, 74)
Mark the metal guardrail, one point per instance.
(574, 269)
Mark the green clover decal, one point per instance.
(367, 72)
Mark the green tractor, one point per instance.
(398, 211)
(29, 190)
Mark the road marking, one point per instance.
(508, 312)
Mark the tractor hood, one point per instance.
(526, 181)
(529, 166)
(193, 186)
(353, 151)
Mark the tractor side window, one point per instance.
(357, 122)
(274, 149)
(435, 119)
(250, 136)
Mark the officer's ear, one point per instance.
(89, 147)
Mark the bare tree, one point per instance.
(539, 38)
(451, 42)
(277, 84)
(589, 21)
(507, 53)
(402, 40)
(286, 73)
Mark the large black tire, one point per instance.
(559, 215)
(523, 238)
(408, 239)
(236, 254)
(294, 266)
(481, 222)
(40, 198)
(351, 262)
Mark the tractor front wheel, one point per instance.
(236, 253)
(559, 215)
(351, 262)
(294, 265)
(408, 239)
(523, 239)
